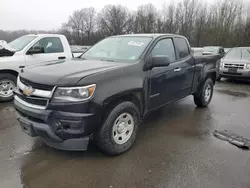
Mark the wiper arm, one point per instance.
(110, 60)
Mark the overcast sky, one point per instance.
(49, 14)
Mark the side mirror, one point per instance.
(160, 61)
(36, 50)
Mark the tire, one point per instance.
(201, 98)
(11, 80)
(108, 135)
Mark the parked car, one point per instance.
(236, 63)
(110, 89)
(212, 50)
(28, 50)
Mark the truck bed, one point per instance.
(207, 58)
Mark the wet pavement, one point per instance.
(175, 148)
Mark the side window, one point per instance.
(183, 47)
(50, 45)
(165, 47)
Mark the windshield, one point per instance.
(210, 49)
(234, 54)
(19, 43)
(118, 48)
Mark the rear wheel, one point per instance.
(7, 86)
(118, 131)
(203, 97)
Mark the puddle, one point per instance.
(233, 93)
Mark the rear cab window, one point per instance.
(182, 47)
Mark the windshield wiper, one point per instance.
(110, 60)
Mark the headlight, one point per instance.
(248, 66)
(73, 94)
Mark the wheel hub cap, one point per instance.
(6, 88)
(123, 128)
(208, 93)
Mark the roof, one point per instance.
(243, 47)
(45, 35)
(212, 46)
(153, 35)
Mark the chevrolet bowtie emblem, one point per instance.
(28, 91)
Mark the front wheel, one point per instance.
(203, 97)
(7, 86)
(119, 128)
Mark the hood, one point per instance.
(67, 72)
(5, 49)
(235, 61)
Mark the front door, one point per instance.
(53, 50)
(165, 82)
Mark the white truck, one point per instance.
(28, 50)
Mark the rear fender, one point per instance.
(202, 72)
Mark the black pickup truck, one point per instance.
(105, 93)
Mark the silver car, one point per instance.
(236, 64)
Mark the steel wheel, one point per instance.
(208, 92)
(123, 128)
(6, 88)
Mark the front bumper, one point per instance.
(59, 129)
(240, 73)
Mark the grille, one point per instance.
(36, 85)
(231, 73)
(33, 100)
(234, 66)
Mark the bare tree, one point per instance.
(225, 22)
(114, 19)
(146, 18)
(82, 24)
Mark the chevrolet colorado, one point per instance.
(105, 93)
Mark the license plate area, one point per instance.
(232, 70)
(27, 128)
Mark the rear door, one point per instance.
(165, 82)
(186, 67)
(53, 50)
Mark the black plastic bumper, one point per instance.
(62, 130)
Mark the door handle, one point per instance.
(62, 57)
(177, 70)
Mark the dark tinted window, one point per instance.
(165, 47)
(183, 47)
(246, 54)
(234, 54)
(50, 45)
